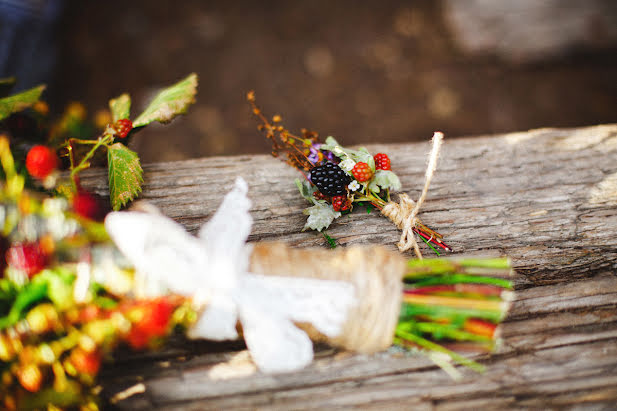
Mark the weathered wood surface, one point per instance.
(547, 198)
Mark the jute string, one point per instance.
(375, 273)
(404, 213)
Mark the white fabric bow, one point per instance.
(213, 269)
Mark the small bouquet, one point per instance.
(73, 289)
(336, 178)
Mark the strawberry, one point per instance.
(41, 161)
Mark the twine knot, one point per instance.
(404, 213)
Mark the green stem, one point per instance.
(493, 267)
(83, 164)
(456, 279)
(409, 311)
(404, 336)
(449, 331)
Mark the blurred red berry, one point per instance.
(87, 205)
(362, 172)
(123, 127)
(150, 319)
(28, 258)
(382, 161)
(85, 362)
(41, 161)
(30, 377)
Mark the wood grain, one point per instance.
(546, 198)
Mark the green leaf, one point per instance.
(384, 179)
(6, 84)
(20, 101)
(306, 190)
(59, 286)
(360, 155)
(125, 175)
(331, 241)
(120, 107)
(170, 102)
(320, 215)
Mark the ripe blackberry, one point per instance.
(330, 179)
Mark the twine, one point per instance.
(404, 213)
(375, 273)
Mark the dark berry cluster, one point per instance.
(330, 179)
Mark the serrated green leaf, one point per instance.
(306, 190)
(6, 84)
(20, 101)
(170, 102)
(360, 155)
(384, 179)
(320, 215)
(120, 107)
(125, 175)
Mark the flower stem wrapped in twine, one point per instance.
(404, 213)
(410, 303)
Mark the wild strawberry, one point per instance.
(26, 257)
(382, 161)
(340, 203)
(362, 172)
(123, 127)
(85, 362)
(87, 205)
(41, 161)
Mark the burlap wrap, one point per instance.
(375, 272)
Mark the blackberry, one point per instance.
(330, 179)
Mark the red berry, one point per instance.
(86, 205)
(41, 161)
(340, 203)
(318, 196)
(85, 362)
(382, 161)
(123, 127)
(150, 319)
(30, 377)
(26, 257)
(362, 172)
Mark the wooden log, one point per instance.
(547, 198)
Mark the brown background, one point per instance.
(388, 71)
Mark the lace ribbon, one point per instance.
(404, 213)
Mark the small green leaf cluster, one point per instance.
(125, 171)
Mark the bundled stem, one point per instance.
(454, 303)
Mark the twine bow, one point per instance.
(404, 213)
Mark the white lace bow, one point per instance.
(213, 269)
